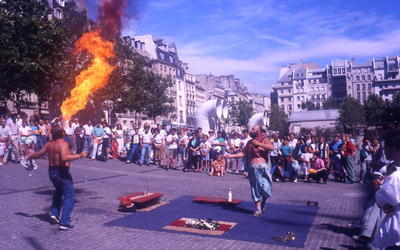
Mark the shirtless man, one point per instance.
(259, 170)
(59, 163)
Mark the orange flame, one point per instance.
(94, 77)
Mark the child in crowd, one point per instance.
(306, 161)
(218, 166)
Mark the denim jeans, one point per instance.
(63, 198)
(145, 155)
(132, 154)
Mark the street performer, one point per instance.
(256, 153)
(60, 157)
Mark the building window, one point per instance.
(363, 87)
(323, 97)
(358, 96)
(290, 91)
(369, 77)
(363, 78)
(281, 99)
(358, 78)
(298, 98)
(358, 87)
(339, 71)
(290, 107)
(283, 107)
(180, 101)
(298, 106)
(364, 96)
(369, 86)
(335, 71)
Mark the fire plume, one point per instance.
(100, 45)
(94, 77)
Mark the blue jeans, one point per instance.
(39, 143)
(62, 181)
(145, 155)
(132, 152)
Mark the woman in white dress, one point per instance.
(119, 136)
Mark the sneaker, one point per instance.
(257, 213)
(34, 164)
(26, 164)
(54, 220)
(66, 227)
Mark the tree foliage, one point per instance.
(35, 49)
(331, 103)
(351, 114)
(241, 112)
(308, 105)
(278, 120)
(375, 108)
(134, 87)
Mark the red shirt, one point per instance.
(349, 149)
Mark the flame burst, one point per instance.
(94, 77)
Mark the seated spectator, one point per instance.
(218, 166)
(317, 170)
(306, 161)
(292, 169)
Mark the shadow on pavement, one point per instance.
(43, 217)
(339, 229)
(34, 243)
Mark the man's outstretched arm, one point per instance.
(66, 155)
(39, 153)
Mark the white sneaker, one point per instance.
(34, 164)
(26, 164)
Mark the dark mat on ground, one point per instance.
(277, 220)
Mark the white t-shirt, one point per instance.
(172, 139)
(69, 130)
(107, 132)
(306, 156)
(293, 143)
(277, 148)
(146, 137)
(25, 131)
(88, 129)
(159, 139)
(163, 133)
(236, 142)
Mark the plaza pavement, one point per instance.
(26, 195)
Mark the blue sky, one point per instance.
(252, 39)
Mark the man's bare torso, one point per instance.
(54, 149)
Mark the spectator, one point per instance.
(172, 143)
(388, 196)
(146, 142)
(317, 170)
(218, 166)
(193, 152)
(134, 146)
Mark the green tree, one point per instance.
(308, 105)
(331, 103)
(392, 112)
(278, 120)
(351, 114)
(33, 50)
(134, 87)
(375, 108)
(241, 112)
